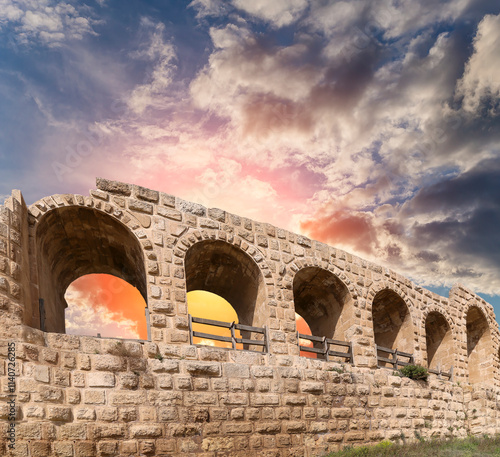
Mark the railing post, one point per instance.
(325, 349)
(190, 326)
(395, 365)
(148, 323)
(266, 337)
(233, 336)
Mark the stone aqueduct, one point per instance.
(84, 396)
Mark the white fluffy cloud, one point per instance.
(206, 8)
(162, 54)
(277, 12)
(45, 21)
(481, 78)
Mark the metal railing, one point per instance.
(246, 330)
(323, 347)
(395, 361)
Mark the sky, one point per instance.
(371, 126)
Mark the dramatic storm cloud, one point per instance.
(373, 126)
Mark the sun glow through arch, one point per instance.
(106, 305)
(208, 305)
(303, 327)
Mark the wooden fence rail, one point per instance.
(395, 361)
(440, 373)
(232, 326)
(325, 349)
(323, 345)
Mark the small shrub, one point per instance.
(159, 357)
(415, 372)
(338, 370)
(384, 444)
(419, 436)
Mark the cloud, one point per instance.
(85, 316)
(446, 233)
(162, 55)
(344, 228)
(205, 8)
(364, 99)
(278, 12)
(46, 21)
(373, 126)
(480, 83)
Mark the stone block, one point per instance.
(312, 387)
(127, 398)
(200, 398)
(85, 414)
(41, 373)
(59, 413)
(72, 432)
(146, 431)
(114, 187)
(108, 363)
(192, 208)
(63, 449)
(236, 370)
(262, 372)
(94, 397)
(140, 206)
(147, 194)
(264, 399)
(109, 431)
(203, 368)
(169, 213)
(101, 379)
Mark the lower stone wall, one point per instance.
(82, 396)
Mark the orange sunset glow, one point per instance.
(110, 306)
(105, 304)
(303, 328)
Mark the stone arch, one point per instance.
(324, 301)
(230, 271)
(439, 340)
(70, 240)
(392, 318)
(479, 347)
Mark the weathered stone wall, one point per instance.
(84, 396)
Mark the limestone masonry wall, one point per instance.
(81, 396)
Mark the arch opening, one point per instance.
(479, 347)
(105, 305)
(323, 301)
(392, 326)
(439, 342)
(220, 268)
(71, 242)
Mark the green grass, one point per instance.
(469, 447)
